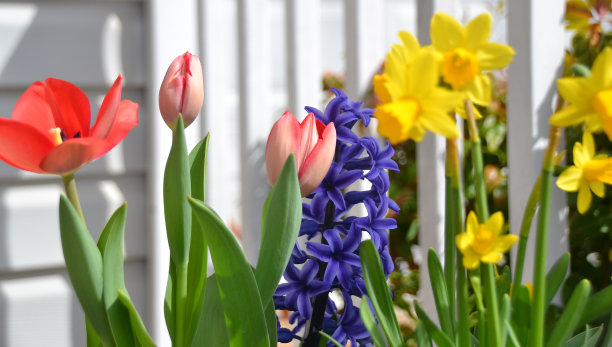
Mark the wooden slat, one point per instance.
(539, 42)
(82, 43)
(44, 311)
(30, 239)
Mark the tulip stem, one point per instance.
(73, 195)
(181, 299)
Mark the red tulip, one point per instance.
(313, 144)
(182, 90)
(49, 131)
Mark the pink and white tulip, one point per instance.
(182, 90)
(313, 144)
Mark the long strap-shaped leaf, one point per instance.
(436, 276)
(370, 323)
(242, 306)
(141, 335)
(84, 265)
(378, 291)
(439, 337)
(280, 227)
(568, 321)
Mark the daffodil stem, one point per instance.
(456, 198)
(482, 211)
(530, 210)
(539, 276)
(73, 195)
(449, 244)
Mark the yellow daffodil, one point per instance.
(588, 174)
(590, 98)
(483, 242)
(466, 52)
(411, 101)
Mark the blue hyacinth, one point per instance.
(318, 267)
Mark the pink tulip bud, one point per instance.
(182, 90)
(313, 143)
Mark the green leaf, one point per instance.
(170, 300)
(329, 338)
(556, 276)
(242, 306)
(370, 323)
(521, 314)
(177, 186)
(198, 250)
(421, 335)
(439, 337)
(111, 246)
(599, 304)
(93, 340)
(436, 277)
(270, 314)
(280, 227)
(211, 328)
(140, 332)
(570, 318)
(505, 312)
(514, 341)
(84, 265)
(503, 282)
(586, 338)
(376, 286)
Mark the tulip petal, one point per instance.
(317, 164)
(70, 107)
(108, 111)
(22, 145)
(283, 140)
(125, 119)
(73, 154)
(193, 94)
(309, 136)
(32, 108)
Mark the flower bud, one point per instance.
(182, 90)
(313, 144)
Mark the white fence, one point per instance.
(260, 57)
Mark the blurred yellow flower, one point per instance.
(590, 98)
(483, 242)
(411, 101)
(466, 52)
(588, 174)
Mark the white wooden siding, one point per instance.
(259, 58)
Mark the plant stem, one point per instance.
(492, 311)
(73, 195)
(530, 210)
(541, 251)
(312, 336)
(449, 238)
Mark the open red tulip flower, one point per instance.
(313, 144)
(49, 131)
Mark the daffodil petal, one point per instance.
(470, 260)
(598, 188)
(471, 227)
(570, 115)
(380, 88)
(417, 133)
(460, 110)
(410, 43)
(588, 144)
(584, 198)
(423, 75)
(479, 90)
(569, 180)
(592, 121)
(576, 90)
(581, 156)
(492, 258)
(504, 243)
(442, 99)
(495, 223)
(494, 56)
(601, 72)
(478, 31)
(446, 33)
(439, 123)
(464, 241)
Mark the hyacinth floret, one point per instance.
(326, 256)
